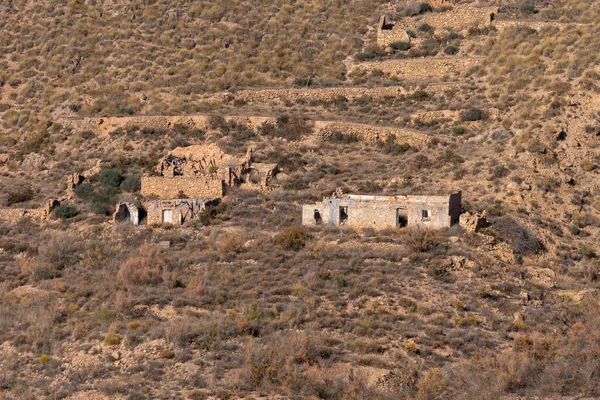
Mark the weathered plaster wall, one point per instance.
(380, 212)
(177, 187)
(181, 210)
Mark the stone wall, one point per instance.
(178, 187)
(14, 215)
(422, 68)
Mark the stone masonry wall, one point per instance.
(14, 215)
(173, 188)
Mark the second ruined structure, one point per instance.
(190, 179)
(204, 172)
(380, 212)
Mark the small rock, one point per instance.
(405, 260)
(33, 162)
(3, 158)
(164, 244)
(453, 239)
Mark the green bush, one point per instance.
(85, 191)
(368, 55)
(451, 50)
(132, 184)
(459, 130)
(528, 8)
(302, 81)
(402, 46)
(293, 237)
(110, 177)
(425, 27)
(424, 8)
(473, 114)
(65, 212)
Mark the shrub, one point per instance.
(425, 27)
(459, 130)
(303, 81)
(85, 191)
(587, 251)
(528, 8)
(339, 137)
(451, 50)
(424, 8)
(400, 46)
(364, 56)
(44, 359)
(132, 184)
(19, 196)
(112, 340)
(293, 237)
(110, 177)
(473, 114)
(65, 212)
(422, 240)
(144, 269)
(389, 146)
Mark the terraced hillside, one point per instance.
(244, 302)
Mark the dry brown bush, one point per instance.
(143, 269)
(422, 239)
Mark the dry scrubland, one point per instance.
(244, 303)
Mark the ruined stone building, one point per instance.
(188, 180)
(204, 171)
(380, 212)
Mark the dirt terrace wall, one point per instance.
(323, 94)
(327, 94)
(536, 25)
(422, 68)
(110, 124)
(322, 128)
(178, 187)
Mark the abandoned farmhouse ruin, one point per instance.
(380, 212)
(188, 180)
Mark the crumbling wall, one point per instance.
(389, 32)
(179, 187)
(175, 211)
(14, 215)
